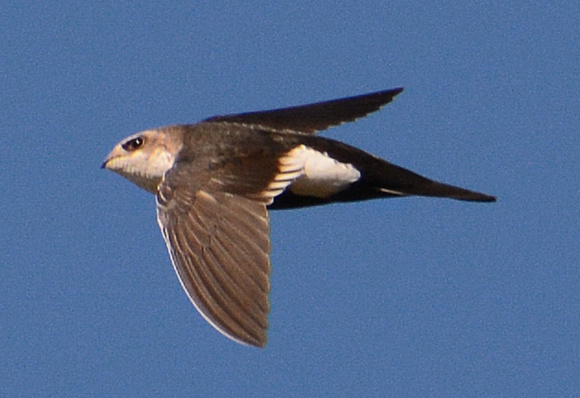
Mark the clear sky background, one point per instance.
(401, 297)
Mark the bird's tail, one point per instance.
(441, 190)
(393, 180)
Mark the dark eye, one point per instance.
(133, 144)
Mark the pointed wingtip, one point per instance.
(317, 116)
(261, 344)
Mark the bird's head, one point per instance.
(143, 158)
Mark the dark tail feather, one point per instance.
(395, 178)
(438, 189)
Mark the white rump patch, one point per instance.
(313, 173)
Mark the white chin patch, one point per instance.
(320, 175)
(143, 169)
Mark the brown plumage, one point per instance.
(216, 180)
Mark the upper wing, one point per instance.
(314, 117)
(219, 247)
(215, 225)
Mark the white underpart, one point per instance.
(315, 173)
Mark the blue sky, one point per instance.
(407, 297)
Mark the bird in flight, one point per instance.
(215, 181)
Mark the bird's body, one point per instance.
(215, 180)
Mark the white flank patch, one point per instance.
(313, 173)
